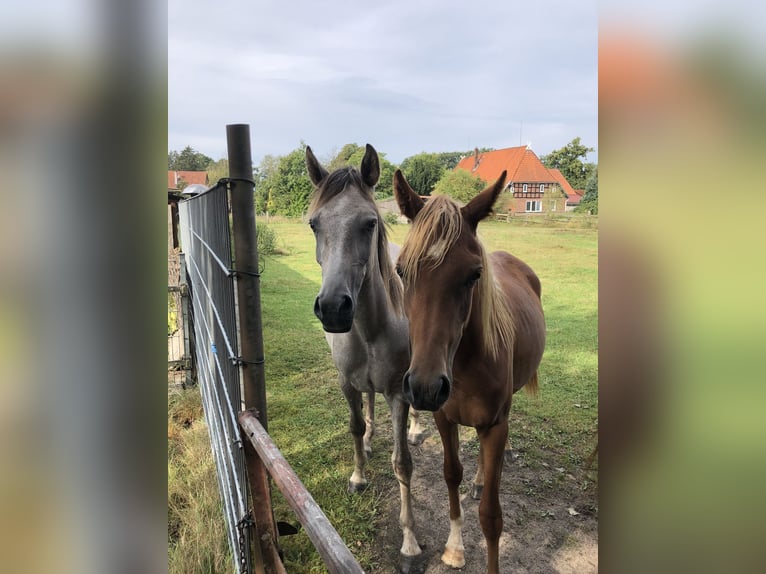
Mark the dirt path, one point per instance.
(541, 535)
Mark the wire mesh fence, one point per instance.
(206, 245)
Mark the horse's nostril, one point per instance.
(346, 304)
(406, 388)
(443, 393)
(317, 309)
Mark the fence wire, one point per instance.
(206, 243)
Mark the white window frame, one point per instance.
(536, 204)
(542, 188)
(525, 188)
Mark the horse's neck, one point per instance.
(373, 308)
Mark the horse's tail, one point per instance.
(531, 387)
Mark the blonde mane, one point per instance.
(434, 232)
(341, 181)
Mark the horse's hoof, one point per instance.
(454, 558)
(476, 491)
(413, 564)
(511, 456)
(416, 439)
(356, 487)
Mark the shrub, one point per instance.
(266, 238)
(459, 185)
(391, 218)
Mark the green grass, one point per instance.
(308, 416)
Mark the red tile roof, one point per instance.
(574, 199)
(562, 181)
(189, 177)
(522, 164)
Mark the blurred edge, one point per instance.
(682, 134)
(682, 142)
(82, 152)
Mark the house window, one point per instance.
(553, 205)
(542, 188)
(525, 188)
(534, 206)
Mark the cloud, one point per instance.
(404, 76)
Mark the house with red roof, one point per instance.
(531, 187)
(179, 179)
(573, 195)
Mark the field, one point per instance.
(549, 496)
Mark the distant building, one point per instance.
(531, 187)
(177, 180)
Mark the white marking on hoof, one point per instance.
(410, 546)
(453, 558)
(454, 551)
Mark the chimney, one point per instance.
(475, 158)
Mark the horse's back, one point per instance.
(522, 288)
(509, 266)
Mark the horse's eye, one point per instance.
(370, 225)
(473, 278)
(312, 224)
(399, 271)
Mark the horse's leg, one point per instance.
(358, 482)
(417, 431)
(493, 441)
(369, 419)
(478, 480)
(454, 551)
(402, 463)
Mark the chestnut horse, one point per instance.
(360, 307)
(477, 335)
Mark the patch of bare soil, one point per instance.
(550, 517)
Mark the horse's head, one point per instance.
(345, 222)
(441, 264)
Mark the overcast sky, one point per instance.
(404, 75)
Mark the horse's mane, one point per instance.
(348, 178)
(434, 232)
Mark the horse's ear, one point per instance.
(409, 202)
(316, 172)
(481, 205)
(370, 166)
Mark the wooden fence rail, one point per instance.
(335, 554)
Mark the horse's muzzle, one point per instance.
(335, 312)
(426, 396)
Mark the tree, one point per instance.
(188, 159)
(217, 170)
(589, 202)
(423, 171)
(264, 177)
(459, 185)
(343, 157)
(287, 188)
(449, 159)
(569, 161)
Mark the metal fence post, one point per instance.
(251, 334)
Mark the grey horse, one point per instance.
(360, 307)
